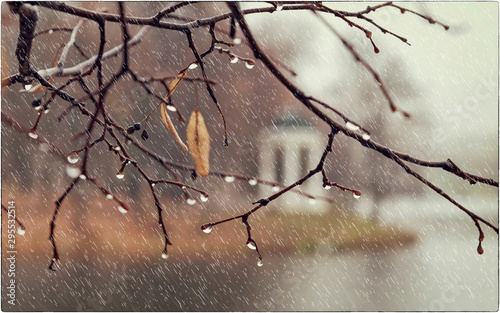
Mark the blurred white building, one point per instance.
(288, 149)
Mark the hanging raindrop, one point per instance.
(73, 157)
(27, 87)
(249, 64)
(279, 7)
(120, 175)
(237, 41)
(260, 263)
(206, 228)
(229, 179)
(117, 148)
(311, 201)
(33, 134)
(327, 187)
(203, 198)
(21, 231)
(82, 177)
(109, 196)
(171, 108)
(234, 59)
(51, 32)
(251, 245)
(252, 182)
(192, 66)
(352, 126)
(275, 188)
(365, 136)
(190, 201)
(122, 209)
(356, 194)
(164, 255)
(72, 171)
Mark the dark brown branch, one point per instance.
(209, 88)
(263, 202)
(366, 65)
(172, 9)
(55, 254)
(27, 22)
(53, 29)
(299, 94)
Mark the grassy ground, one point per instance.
(105, 233)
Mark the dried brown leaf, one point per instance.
(170, 125)
(199, 142)
(176, 82)
(164, 115)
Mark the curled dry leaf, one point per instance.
(199, 142)
(164, 115)
(170, 125)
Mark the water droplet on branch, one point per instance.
(366, 136)
(21, 231)
(207, 228)
(327, 187)
(120, 175)
(250, 64)
(237, 41)
(192, 66)
(275, 188)
(229, 179)
(203, 198)
(191, 201)
(164, 255)
(252, 182)
(251, 245)
(234, 59)
(109, 196)
(351, 126)
(356, 194)
(33, 134)
(122, 209)
(27, 87)
(260, 263)
(171, 108)
(83, 177)
(73, 157)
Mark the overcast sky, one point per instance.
(456, 71)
